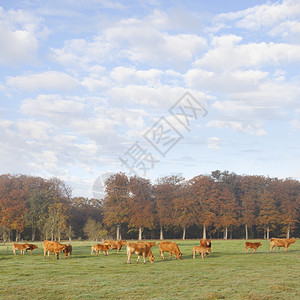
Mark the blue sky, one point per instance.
(83, 82)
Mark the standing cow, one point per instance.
(281, 243)
(55, 247)
(170, 247)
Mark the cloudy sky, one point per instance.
(88, 87)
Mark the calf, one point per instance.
(253, 246)
(31, 247)
(201, 250)
(281, 243)
(97, 248)
(21, 247)
(150, 244)
(55, 247)
(115, 244)
(141, 249)
(170, 247)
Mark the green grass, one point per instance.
(227, 274)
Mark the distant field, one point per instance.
(227, 274)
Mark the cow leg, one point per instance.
(193, 254)
(128, 258)
(254, 251)
(144, 255)
(162, 254)
(246, 250)
(202, 256)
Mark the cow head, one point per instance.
(123, 243)
(292, 240)
(179, 256)
(259, 244)
(151, 257)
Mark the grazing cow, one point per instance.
(253, 246)
(97, 248)
(116, 244)
(68, 251)
(281, 243)
(170, 247)
(150, 244)
(55, 247)
(201, 250)
(31, 247)
(21, 247)
(139, 249)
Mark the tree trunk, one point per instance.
(288, 232)
(226, 233)
(183, 234)
(161, 233)
(118, 232)
(140, 233)
(268, 233)
(33, 234)
(264, 233)
(246, 231)
(204, 232)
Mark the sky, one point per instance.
(149, 88)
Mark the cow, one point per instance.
(68, 251)
(150, 244)
(201, 250)
(141, 249)
(21, 247)
(55, 247)
(170, 247)
(97, 248)
(115, 244)
(31, 247)
(281, 243)
(253, 246)
(205, 243)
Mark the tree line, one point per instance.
(219, 205)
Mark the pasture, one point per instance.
(227, 274)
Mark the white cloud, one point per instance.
(264, 16)
(228, 54)
(51, 80)
(20, 32)
(253, 129)
(213, 143)
(54, 108)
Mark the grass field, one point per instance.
(227, 274)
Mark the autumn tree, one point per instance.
(115, 204)
(165, 191)
(141, 204)
(203, 192)
(12, 203)
(184, 207)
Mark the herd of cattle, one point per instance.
(143, 248)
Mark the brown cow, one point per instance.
(97, 248)
(253, 246)
(55, 247)
(31, 247)
(205, 243)
(68, 251)
(201, 250)
(281, 243)
(170, 247)
(139, 249)
(116, 244)
(21, 247)
(150, 244)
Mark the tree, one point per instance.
(165, 190)
(141, 204)
(12, 203)
(184, 206)
(91, 229)
(115, 204)
(203, 189)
